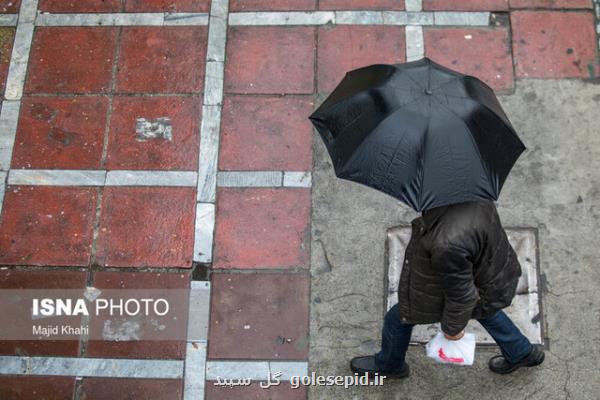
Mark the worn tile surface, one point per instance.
(71, 60)
(150, 227)
(465, 5)
(47, 225)
(9, 6)
(7, 36)
(271, 5)
(126, 389)
(268, 311)
(361, 4)
(481, 52)
(46, 279)
(262, 228)
(161, 60)
(159, 349)
(61, 133)
(36, 387)
(127, 149)
(167, 5)
(346, 47)
(266, 133)
(284, 391)
(552, 44)
(550, 3)
(270, 59)
(79, 6)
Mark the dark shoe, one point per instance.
(500, 365)
(366, 365)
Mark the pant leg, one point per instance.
(513, 344)
(395, 338)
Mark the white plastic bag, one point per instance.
(458, 352)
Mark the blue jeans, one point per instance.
(396, 336)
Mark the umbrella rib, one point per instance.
(483, 163)
(422, 183)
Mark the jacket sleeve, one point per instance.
(460, 293)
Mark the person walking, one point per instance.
(440, 142)
(458, 265)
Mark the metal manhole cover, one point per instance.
(525, 308)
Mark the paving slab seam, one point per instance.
(206, 193)
(122, 19)
(441, 18)
(264, 179)
(91, 367)
(8, 19)
(15, 81)
(197, 336)
(101, 178)
(254, 369)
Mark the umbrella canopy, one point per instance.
(420, 132)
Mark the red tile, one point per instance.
(131, 389)
(550, 44)
(361, 4)
(162, 60)
(71, 60)
(551, 3)
(125, 151)
(167, 5)
(44, 225)
(270, 59)
(9, 6)
(159, 349)
(284, 391)
(346, 47)
(266, 133)
(466, 5)
(147, 227)
(7, 36)
(40, 279)
(36, 387)
(262, 228)
(261, 5)
(268, 313)
(62, 133)
(80, 6)
(481, 52)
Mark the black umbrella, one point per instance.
(420, 132)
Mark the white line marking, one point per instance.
(415, 47)
(255, 370)
(461, 18)
(20, 52)
(297, 179)
(203, 234)
(8, 19)
(152, 178)
(122, 19)
(209, 153)
(92, 367)
(9, 118)
(195, 373)
(56, 177)
(250, 178)
(413, 5)
(2, 187)
(282, 18)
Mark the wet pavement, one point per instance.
(157, 143)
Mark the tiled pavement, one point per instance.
(91, 200)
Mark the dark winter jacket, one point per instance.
(458, 265)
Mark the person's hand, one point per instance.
(455, 337)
